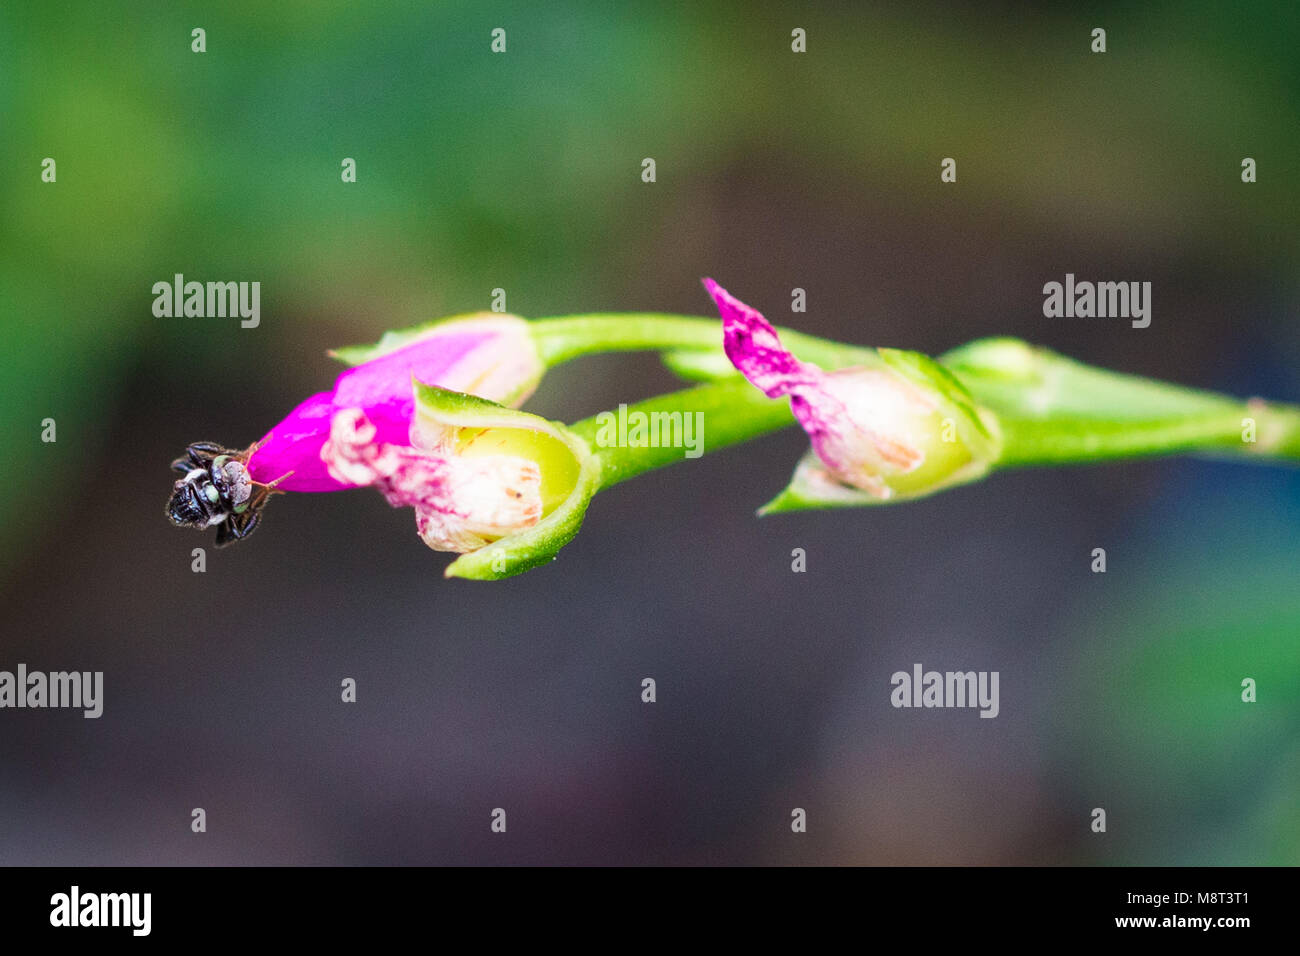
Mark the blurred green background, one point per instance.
(521, 171)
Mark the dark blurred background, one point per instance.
(522, 171)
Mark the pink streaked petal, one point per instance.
(355, 456)
(492, 496)
(856, 418)
(865, 398)
(755, 349)
(460, 504)
(840, 413)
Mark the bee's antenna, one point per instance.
(270, 485)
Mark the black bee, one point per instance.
(217, 490)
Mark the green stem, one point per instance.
(562, 338)
(1054, 410)
(1051, 410)
(567, 337)
(731, 412)
(1057, 441)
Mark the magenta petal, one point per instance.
(755, 349)
(386, 379)
(292, 449)
(381, 387)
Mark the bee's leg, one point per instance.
(237, 527)
(201, 453)
(197, 455)
(226, 533)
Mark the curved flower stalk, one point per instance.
(425, 417)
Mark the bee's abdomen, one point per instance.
(186, 506)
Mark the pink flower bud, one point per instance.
(492, 356)
(900, 425)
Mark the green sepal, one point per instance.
(923, 371)
(1019, 381)
(812, 488)
(531, 547)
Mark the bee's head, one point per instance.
(233, 482)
